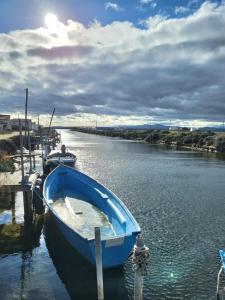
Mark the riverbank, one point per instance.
(198, 140)
(8, 135)
(7, 147)
(10, 145)
(6, 163)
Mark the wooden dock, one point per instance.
(13, 181)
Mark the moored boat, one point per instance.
(54, 158)
(78, 203)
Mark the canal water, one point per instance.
(178, 198)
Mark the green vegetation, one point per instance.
(6, 163)
(199, 140)
(7, 147)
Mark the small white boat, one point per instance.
(56, 158)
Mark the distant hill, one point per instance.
(145, 127)
(215, 128)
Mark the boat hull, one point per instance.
(115, 249)
(114, 253)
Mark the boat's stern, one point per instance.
(115, 251)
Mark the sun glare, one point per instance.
(51, 21)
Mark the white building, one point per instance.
(34, 126)
(173, 128)
(193, 129)
(15, 123)
(5, 123)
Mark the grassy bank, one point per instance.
(199, 140)
(6, 164)
(7, 148)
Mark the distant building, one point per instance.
(173, 128)
(5, 123)
(193, 129)
(34, 126)
(15, 123)
(185, 129)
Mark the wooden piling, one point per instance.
(26, 103)
(34, 162)
(140, 258)
(99, 272)
(29, 147)
(21, 153)
(28, 207)
(138, 286)
(13, 208)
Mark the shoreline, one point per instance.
(209, 142)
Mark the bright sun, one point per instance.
(51, 21)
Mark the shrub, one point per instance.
(8, 146)
(6, 164)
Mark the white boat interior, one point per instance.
(83, 217)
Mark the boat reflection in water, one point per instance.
(76, 273)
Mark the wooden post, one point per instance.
(21, 152)
(99, 272)
(34, 162)
(13, 208)
(140, 257)
(26, 116)
(38, 122)
(43, 154)
(138, 286)
(29, 147)
(28, 208)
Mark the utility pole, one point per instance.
(21, 152)
(29, 146)
(25, 125)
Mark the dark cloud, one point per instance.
(15, 55)
(60, 52)
(171, 70)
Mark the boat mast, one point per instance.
(50, 122)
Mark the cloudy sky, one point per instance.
(120, 62)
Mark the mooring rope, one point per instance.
(37, 194)
(140, 256)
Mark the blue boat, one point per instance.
(79, 203)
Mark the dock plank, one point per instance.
(10, 179)
(13, 181)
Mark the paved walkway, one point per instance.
(6, 136)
